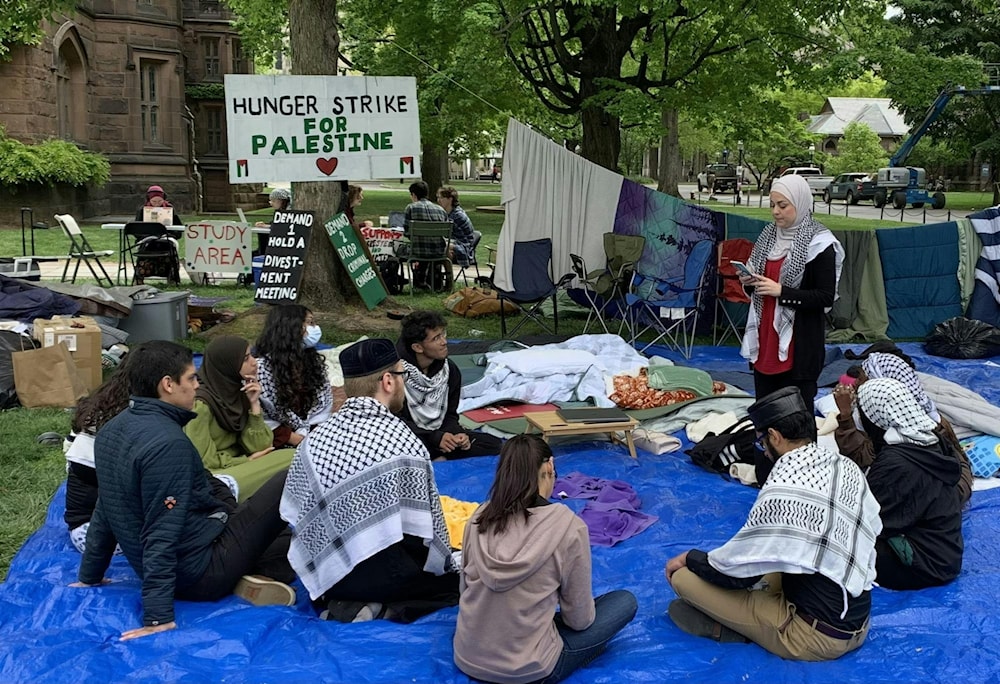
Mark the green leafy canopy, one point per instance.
(21, 21)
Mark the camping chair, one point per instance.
(533, 285)
(152, 252)
(428, 246)
(670, 307)
(80, 250)
(586, 294)
(622, 253)
(477, 236)
(730, 297)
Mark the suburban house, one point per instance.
(139, 81)
(875, 112)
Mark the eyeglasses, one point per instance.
(758, 443)
(405, 374)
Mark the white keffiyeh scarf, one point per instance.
(356, 485)
(815, 514)
(891, 406)
(427, 398)
(879, 365)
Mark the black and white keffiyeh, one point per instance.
(356, 485)
(815, 514)
(427, 398)
(880, 365)
(809, 241)
(891, 406)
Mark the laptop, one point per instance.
(396, 219)
(164, 215)
(593, 415)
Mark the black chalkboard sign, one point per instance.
(286, 255)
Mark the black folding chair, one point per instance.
(152, 252)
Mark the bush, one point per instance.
(53, 161)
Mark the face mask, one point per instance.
(313, 333)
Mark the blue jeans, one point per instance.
(614, 610)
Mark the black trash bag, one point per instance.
(963, 338)
(10, 342)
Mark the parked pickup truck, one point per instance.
(814, 177)
(725, 178)
(851, 187)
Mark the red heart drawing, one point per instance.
(327, 166)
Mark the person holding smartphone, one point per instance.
(794, 270)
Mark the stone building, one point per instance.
(139, 81)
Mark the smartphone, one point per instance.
(742, 268)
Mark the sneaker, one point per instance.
(263, 591)
(692, 621)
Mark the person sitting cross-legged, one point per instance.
(522, 557)
(433, 389)
(369, 538)
(810, 537)
(156, 501)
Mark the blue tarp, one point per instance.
(52, 633)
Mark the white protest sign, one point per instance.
(217, 247)
(381, 241)
(315, 128)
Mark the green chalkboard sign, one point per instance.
(351, 250)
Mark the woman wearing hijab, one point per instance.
(856, 445)
(523, 557)
(295, 389)
(796, 265)
(913, 478)
(156, 198)
(229, 430)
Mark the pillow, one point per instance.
(541, 363)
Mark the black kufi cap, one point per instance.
(367, 357)
(777, 405)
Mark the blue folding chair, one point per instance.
(670, 307)
(533, 284)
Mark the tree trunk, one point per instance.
(653, 162)
(602, 136)
(433, 167)
(314, 37)
(670, 153)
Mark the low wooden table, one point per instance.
(550, 424)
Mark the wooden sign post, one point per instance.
(354, 256)
(285, 258)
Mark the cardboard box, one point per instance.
(83, 337)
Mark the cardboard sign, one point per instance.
(217, 247)
(381, 241)
(353, 255)
(286, 256)
(316, 128)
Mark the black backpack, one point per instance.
(716, 452)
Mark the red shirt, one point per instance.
(767, 336)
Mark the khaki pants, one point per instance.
(765, 617)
